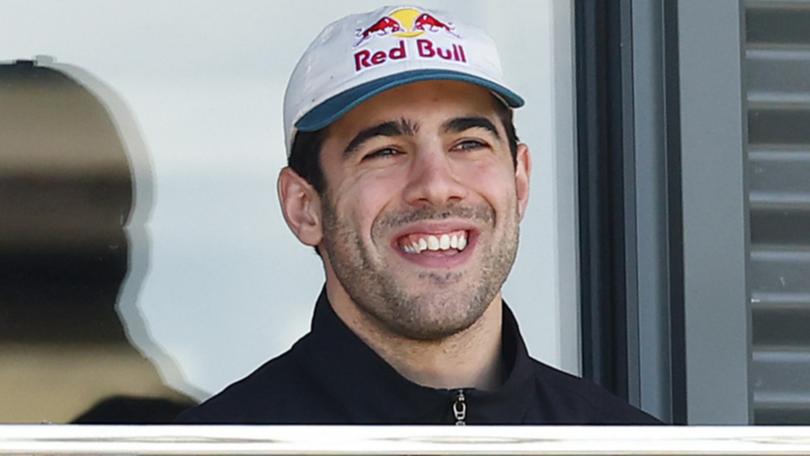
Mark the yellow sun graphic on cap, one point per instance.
(407, 18)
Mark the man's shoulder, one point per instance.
(266, 388)
(573, 400)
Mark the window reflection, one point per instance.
(66, 191)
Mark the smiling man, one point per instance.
(405, 173)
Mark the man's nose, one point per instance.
(433, 179)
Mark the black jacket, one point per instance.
(331, 377)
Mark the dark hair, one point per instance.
(305, 158)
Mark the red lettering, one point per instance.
(361, 60)
(378, 57)
(397, 52)
(444, 53)
(425, 48)
(428, 49)
(365, 59)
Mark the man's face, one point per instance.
(422, 205)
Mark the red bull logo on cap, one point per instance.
(406, 23)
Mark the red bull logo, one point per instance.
(384, 26)
(407, 23)
(427, 23)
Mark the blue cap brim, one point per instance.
(332, 109)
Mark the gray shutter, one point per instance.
(778, 76)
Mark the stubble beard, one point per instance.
(441, 304)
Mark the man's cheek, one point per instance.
(487, 172)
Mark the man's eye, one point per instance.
(382, 153)
(468, 145)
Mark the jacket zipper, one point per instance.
(460, 409)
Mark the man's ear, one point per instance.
(301, 206)
(523, 170)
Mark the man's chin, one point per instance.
(428, 330)
(440, 311)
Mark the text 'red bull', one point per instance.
(426, 49)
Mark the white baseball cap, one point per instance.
(362, 55)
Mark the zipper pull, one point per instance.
(460, 409)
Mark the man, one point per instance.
(406, 175)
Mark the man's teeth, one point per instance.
(433, 243)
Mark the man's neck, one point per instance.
(468, 359)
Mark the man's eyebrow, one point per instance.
(391, 128)
(460, 124)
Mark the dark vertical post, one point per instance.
(600, 141)
(672, 120)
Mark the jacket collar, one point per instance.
(369, 390)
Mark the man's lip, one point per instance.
(434, 228)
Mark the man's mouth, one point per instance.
(451, 242)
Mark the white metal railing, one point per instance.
(401, 440)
